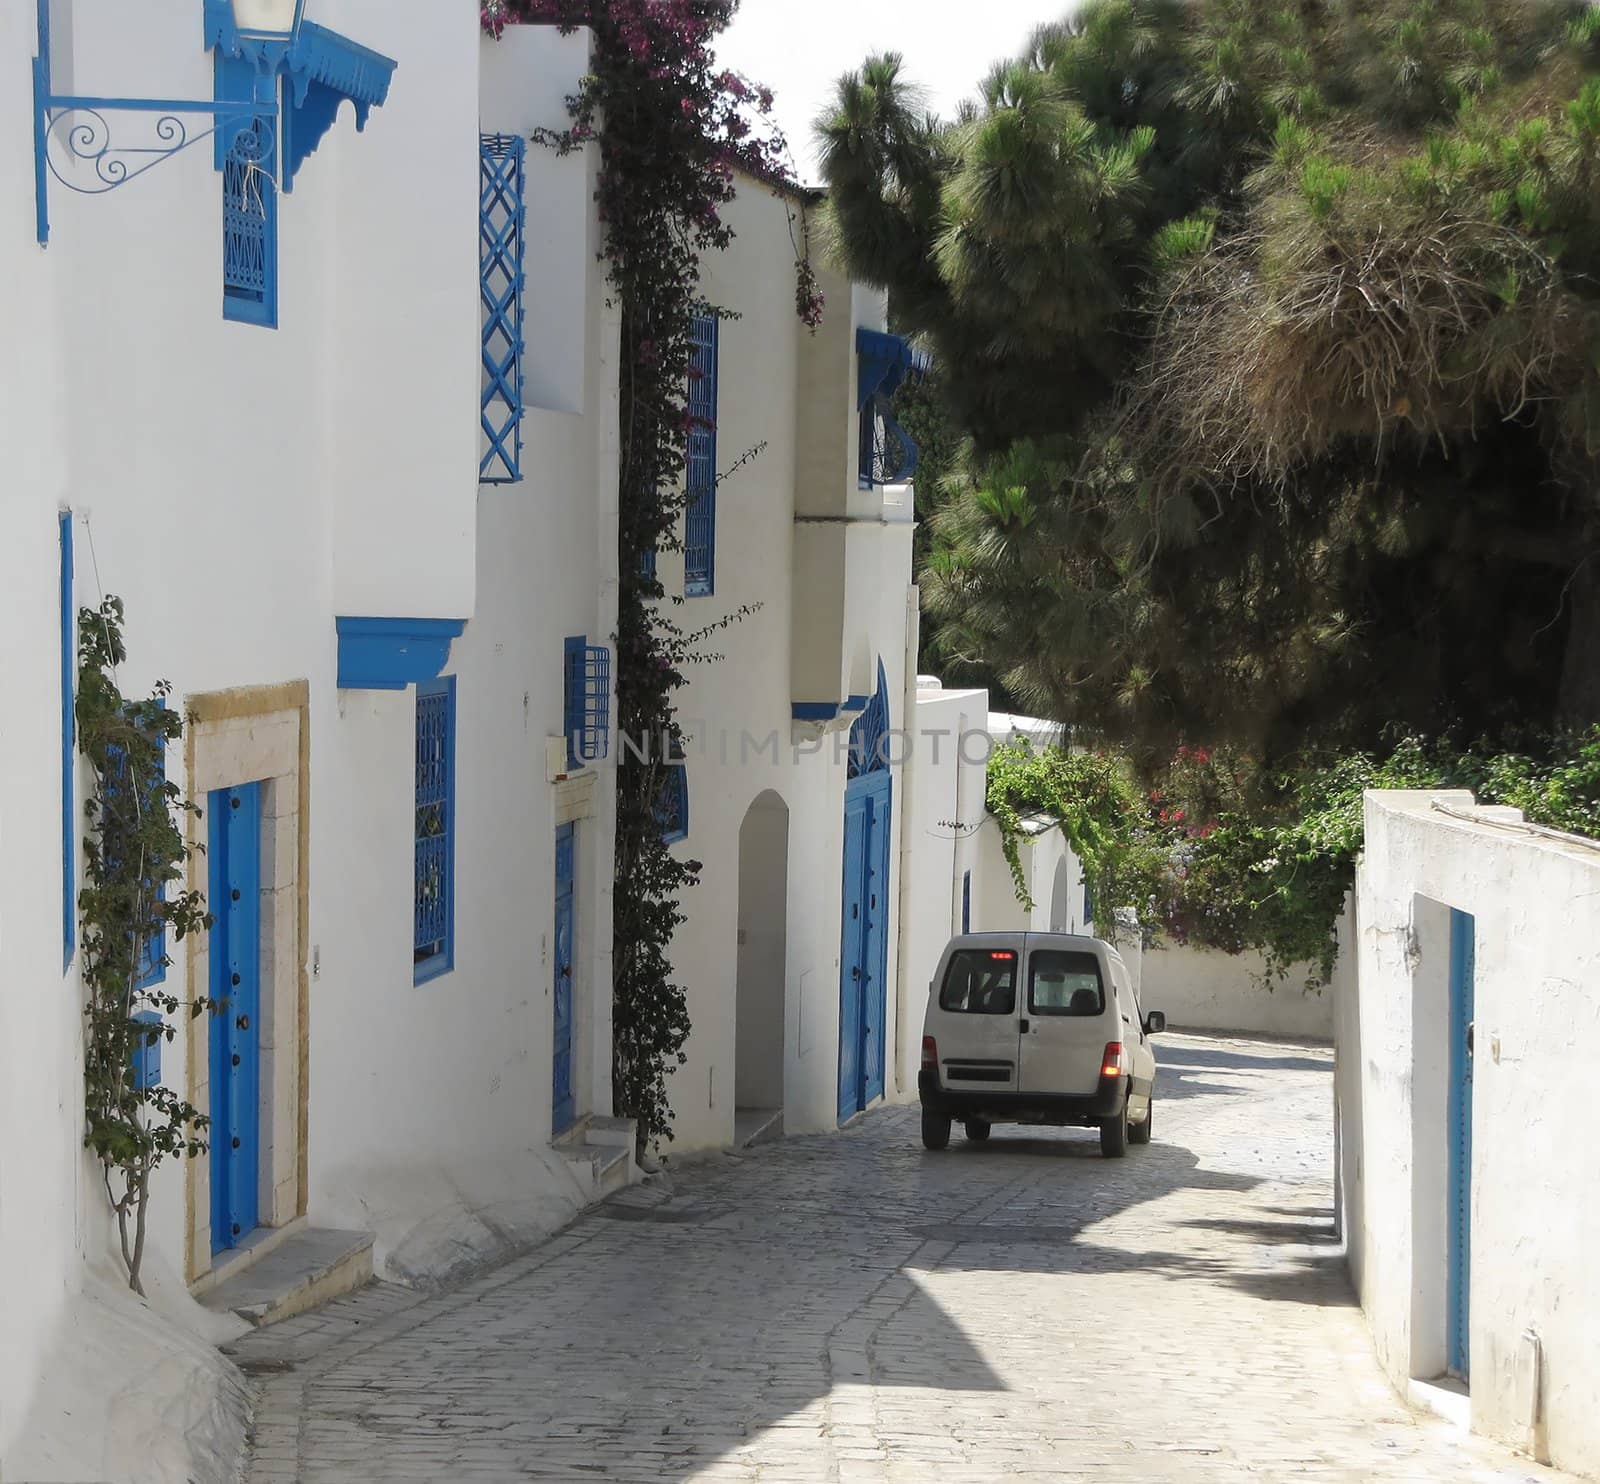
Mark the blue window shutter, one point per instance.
(966, 902)
(502, 221)
(434, 915)
(586, 701)
(250, 227)
(69, 803)
(147, 1053)
(700, 519)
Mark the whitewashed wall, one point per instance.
(1535, 1187)
(1202, 989)
(773, 392)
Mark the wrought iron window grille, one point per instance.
(433, 931)
(587, 702)
(502, 228)
(700, 512)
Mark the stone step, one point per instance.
(309, 1269)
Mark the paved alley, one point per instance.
(853, 1308)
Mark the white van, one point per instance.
(1041, 1028)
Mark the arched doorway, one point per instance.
(763, 950)
(1058, 898)
(864, 942)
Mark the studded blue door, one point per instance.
(564, 1109)
(875, 951)
(852, 953)
(234, 855)
(1463, 953)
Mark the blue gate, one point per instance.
(564, 1109)
(234, 854)
(1463, 954)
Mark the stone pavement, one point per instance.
(849, 1307)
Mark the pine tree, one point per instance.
(1273, 330)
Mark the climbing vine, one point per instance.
(672, 127)
(1218, 854)
(131, 907)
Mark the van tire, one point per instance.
(1114, 1135)
(977, 1130)
(1140, 1132)
(935, 1131)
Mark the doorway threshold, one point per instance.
(1444, 1396)
(752, 1126)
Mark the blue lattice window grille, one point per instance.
(869, 735)
(587, 701)
(434, 931)
(672, 803)
(69, 806)
(250, 226)
(700, 519)
(502, 221)
(887, 453)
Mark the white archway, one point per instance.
(760, 1011)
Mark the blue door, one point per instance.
(864, 944)
(875, 951)
(234, 854)
(565, 1108)
(1462, 973)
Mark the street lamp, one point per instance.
(269, 20)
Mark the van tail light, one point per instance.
(930, 1054)
(1114, 1063)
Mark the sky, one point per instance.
(799, 48)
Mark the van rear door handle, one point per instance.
(1022, 1026)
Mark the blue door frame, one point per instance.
(564, 1108)
(864, 942)
(1463, 967)
(234, 855)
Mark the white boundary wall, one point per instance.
(1535, 1205)
(1201, 989)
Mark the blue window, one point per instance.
(700, 521)
(587, 701)
(250, 227)
(502, 219)
(966, 902)
(147, 1052)
(672, 804)
(69, 807)
(434, 942)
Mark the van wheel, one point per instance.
(977, 1130)
(935, 1130)
(1114, 1135)
(1140, 1132)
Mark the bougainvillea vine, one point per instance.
(673, 127)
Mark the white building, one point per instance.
(1468, 1022)
(789, 951)
(268, 440)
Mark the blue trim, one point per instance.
(326, 69)
(1458, 1287)
(392, 653)
(886, 360)
(869, 733)
(856, 703)
(69, 805)
(815, 710)
(433, 939)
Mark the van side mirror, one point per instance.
(1154, 1023)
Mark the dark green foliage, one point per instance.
(1273, 332)
(133, 901)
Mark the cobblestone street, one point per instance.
(853, 1308)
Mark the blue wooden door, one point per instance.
(234, 854)
(1463, 953)
(564, 1107)
(852, 953)
(875, 950)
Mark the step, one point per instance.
(752, 1126)
(304, 1272)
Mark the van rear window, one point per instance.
(980, 982)
(1065, 983)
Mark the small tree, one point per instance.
(132, 904)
